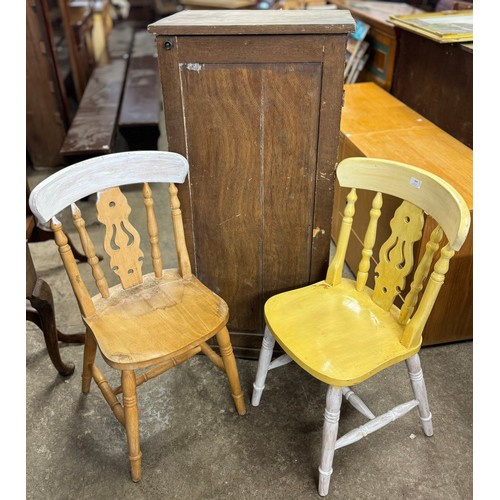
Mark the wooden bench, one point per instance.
(377, 125)
(141, 102)
(93, 129)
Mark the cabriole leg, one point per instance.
(229, 360)
(330, 428)
(266, 353)
(418, 384)
(132, 423)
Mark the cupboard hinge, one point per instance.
(343, 98)
(43, 48)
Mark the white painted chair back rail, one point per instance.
(425, 190)
(97, 174)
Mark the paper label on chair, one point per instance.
(415, 182)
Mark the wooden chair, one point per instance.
(341, 331)
(155, 321)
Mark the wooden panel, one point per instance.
(443, 90)
(45, 98)
(288, 180)
(254, 22)
(225, 173)
(256, 117)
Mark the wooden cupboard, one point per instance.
(253, 100)
(375, 124)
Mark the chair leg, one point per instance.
(330, 428)
(226, 350)
(132, 423)
(43, 303)
(266, 353)
(89, 351)
(418, 384)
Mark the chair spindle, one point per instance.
(84, 300)
(413, 330)
(152, 230)
(180, 240)
(421, 274)
(334, 274)
(89, 250)
(369, 242)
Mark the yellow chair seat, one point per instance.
(156, 321)
(337, 334)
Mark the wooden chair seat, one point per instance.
(337, 334)
(160, 320)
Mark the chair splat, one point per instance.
(396, 254)
(122, 241)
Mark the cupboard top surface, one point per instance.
(254, 22)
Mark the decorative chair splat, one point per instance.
(396, 254)
(122, 241)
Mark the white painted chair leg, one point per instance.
(330, 428)
(266, 353)
(418, 384)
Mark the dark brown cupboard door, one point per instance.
(258, 119)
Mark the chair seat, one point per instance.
(337, 334)
(156, 321)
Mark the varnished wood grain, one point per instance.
(269, 104)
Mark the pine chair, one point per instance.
(341, 331)
(155, 321)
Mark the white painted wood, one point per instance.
(420, 391)
(266, 353)
(422, 188)
(81, 179)
(357, 402)
(376, 424)
(330, 429)
(282, 360)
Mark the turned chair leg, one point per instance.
(418, 384)
(266, 353)
(330, 428)
(89, 351)
(132, 423)
(229, 361)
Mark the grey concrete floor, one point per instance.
(195, 445)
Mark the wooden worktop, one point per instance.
(404, 135)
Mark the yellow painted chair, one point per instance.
(150, 322)
(341, 331)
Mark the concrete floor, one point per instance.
(194, 444)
